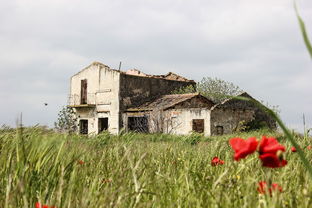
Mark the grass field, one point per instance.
(139, 170)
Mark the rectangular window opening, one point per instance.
(198, 125)
(83, 91)
(138, 124)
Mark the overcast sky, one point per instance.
(255, 44)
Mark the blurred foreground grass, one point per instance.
(141, 170)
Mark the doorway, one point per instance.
(83, 126)
(102, 124)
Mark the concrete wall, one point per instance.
(103, 91)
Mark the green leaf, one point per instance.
(303, 31)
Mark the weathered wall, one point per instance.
(173, 121)
(136, 90)
(180, 120)
(108, 98)
(103, 91)
(230, 119)
(91, 73)
(234, 113)
(90, 115)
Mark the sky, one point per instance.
(256, 44)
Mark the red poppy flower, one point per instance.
(216, 161)
(309, 147)
(38, 205)
(270, 145)
(268, 150)
(80, 162)
(262, 187)
(243, 147)
(272, 161)
(293, 149)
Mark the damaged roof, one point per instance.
(136, 72)
(167, 101)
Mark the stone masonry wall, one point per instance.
(136, 90)
(234, 113)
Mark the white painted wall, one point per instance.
(182, 120)
(107, 98)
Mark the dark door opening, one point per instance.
(83, 126)
(198, 125)
(83, 91)
(138, 124)
(103, 124)
(220, 130)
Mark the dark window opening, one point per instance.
(138, 124)
(103, 124)
(83, 91)
(219, 130)
(83, 126)
(198, 125)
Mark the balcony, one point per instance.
(75, 101)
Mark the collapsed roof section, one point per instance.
(165, 102)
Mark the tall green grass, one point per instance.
(140, 170)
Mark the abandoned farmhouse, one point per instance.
(112, 100)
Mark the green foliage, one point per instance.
(215, 89)
(185, 90)
(67, 120)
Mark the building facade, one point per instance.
(109, 99)
(100, 95)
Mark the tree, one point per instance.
(67, 120)
(214, 89)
